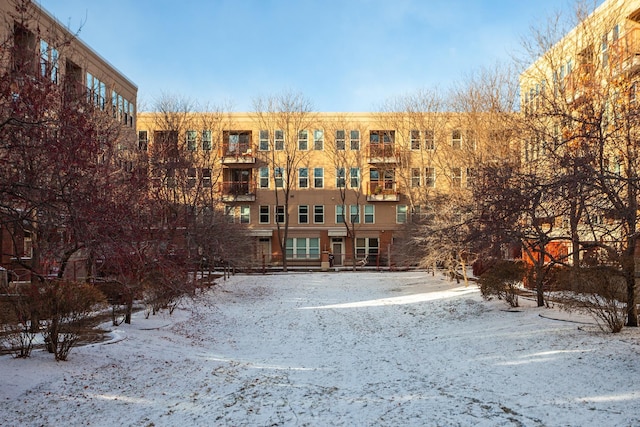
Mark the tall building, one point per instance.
(44, 66)
(368, 174)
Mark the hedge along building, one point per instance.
(345, 183)
(39, 52)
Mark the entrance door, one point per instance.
(264, 250)
(338, 252)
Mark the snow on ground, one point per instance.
(344, 349)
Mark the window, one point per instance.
(367, 247)
(264, 214)
(303, 248)
(339, 214)
(27, 245)
(191, 177)
(429, 140)
(340, 140)
(430, 177)
(48, 61)
(143, 140)
(280, 217)
(264, 177)
(278, 140)
(354, 177)
(354, 214)
(278, 176)
(303, 140)
(318, 214)
(191, 140)
(263, 144)
(415, 139)
(318, 177)
(237, 142)
(206, 177)
(415, 177)
(228, 213)
(340, 178)
(470, 176)
(401, 214)
(456, 177)
(605, 52)
(206, 140)
(303, 214)
(303, 178)
(354, 138)
(456, 139)
(318, 139)
(369, 214)
(245, 214)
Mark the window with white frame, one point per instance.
(303, 214)
(339, 214)
(367, 247)
(318, 139)
(263, 143)
(245, 214)
(401, 214)
(415, 177)
(369, 214)
(354, 214)
(303, 248)
(278, 140)
(206, 177)
(303, 178)
(278, 176)
(264, 214)
(354, 140)
(470, 176)
(429, 140)
(192, 177)
(354, 177)
(415, 139)
(456, 177)
(318, 214)
(280, 217)
(264, 177)
(49, 66)
(340, 178)
(206, 140)
(191, 140)
(318, 177)
(456, 139)
(340, 140)
(303, 140)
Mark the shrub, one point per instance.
(502, 281)
(598, 290)
(64, 306)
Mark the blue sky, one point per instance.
(344, 55)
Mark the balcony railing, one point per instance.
(237, 154)
(624, 53)
(382, 153)
(383, 192)
(240, 191)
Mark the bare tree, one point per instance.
(284, 117)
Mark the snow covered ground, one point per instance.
(318, 349)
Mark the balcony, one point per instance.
(237, 191)
(237, 154)
(383, 192)
(382, 153)
(580, 81)
(625, 52)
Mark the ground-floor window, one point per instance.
(367, 247)
(303, 248)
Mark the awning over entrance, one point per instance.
(260, 233)
(337, 233)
